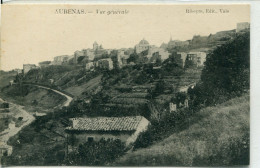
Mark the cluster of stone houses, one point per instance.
(61, 60)
(92, 58)
(123, 54)
(153, 51)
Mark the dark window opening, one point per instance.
(90, 139)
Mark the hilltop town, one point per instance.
(99, 57)
(127, 99)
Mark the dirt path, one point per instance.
(66, 103)
(18, 111)
(27, 119)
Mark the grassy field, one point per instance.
(214, 136)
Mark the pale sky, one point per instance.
(34, 33)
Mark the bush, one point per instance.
(96, 153)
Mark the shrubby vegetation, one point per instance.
(225, 76)
(226, 73)
(160, 129)
(98, 153)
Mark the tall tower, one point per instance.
(95, 46)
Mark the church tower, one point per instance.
(95, 46)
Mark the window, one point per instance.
(90, 139)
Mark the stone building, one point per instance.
(28, 67)
(90, 66)
(192, 57)
(122, 58)
(51, 81)
(60, 60)
(177, 43)
(186, 103)
(96, 46)
(142, 46)
(44, 64)
(164, 54)
(11, 82)
(157, 53)
(106, 63)
(197, 58)
(78, 54)
(181, 58)
(242, 26)
(18, 71)
(89, 54)
(201, 58)
(173, 107)
(126, 129)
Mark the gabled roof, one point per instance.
(106, 123)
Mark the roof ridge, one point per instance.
(128, 123)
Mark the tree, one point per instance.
(227, 67)
(158, 62)
(133, 58)
(226, 72)
(159, 88)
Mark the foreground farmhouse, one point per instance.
(126, 129)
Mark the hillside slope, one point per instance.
(34, 98)
(218, 136)
(5, 77)
(89, 86)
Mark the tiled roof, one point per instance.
(106, 123)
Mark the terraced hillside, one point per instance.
(90, 87)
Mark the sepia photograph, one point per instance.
(125, 85)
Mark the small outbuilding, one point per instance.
(125, 129)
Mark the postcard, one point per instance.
(125, 85)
